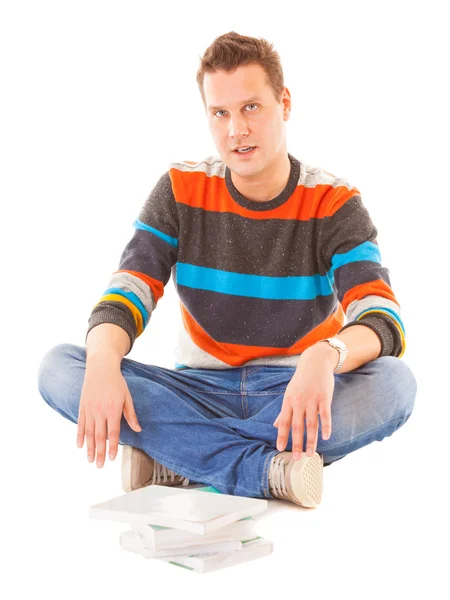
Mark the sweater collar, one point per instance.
(282, 197)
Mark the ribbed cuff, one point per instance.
(115, 313)
(387, 331)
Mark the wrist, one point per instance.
(103, 358)
(326, 353)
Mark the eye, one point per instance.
(216, 114)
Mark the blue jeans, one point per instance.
(216, 426)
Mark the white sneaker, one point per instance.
(300, 481)
(139, 470)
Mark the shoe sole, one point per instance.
(304, 480)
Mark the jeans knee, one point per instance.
(51, 363)
(53, 370)
(400, 384)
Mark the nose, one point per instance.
(237, 127)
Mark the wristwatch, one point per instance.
(341, 347)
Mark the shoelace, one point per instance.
(277, 481)
(161, 473)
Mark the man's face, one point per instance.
(242, 111)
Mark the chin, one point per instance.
(248, 170)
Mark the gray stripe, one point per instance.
(212, 166)
(358, 306)
(130, 283)
(315, 176)
(310, 176)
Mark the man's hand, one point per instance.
(309, 393)
(104, 397)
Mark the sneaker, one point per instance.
(140, 470)
(299, 481)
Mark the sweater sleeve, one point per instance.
(145, 266)
(353, 263)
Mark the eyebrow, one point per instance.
(249, 101)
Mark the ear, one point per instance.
(286, 101)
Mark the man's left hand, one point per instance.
(309, 394)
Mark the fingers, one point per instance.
(113, 437)
(312, 424)
(100, 441)
(325, 419)
(81, 427)
(283, 422)
(90, 440)
(297, 434)
(97, 432)
(298, 415)
(100, 414)
(130, 414)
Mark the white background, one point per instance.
(97, 99)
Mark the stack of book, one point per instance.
(197, 528)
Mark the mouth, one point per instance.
(245, 151)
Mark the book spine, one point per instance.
(199, 550)
(203, 564)
(161, 540)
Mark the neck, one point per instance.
(267, 185)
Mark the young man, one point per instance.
(268, 256)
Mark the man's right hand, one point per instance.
(104, 397)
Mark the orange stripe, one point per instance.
(198, 190)
(236, 355)
(156, 286)
(377, 287)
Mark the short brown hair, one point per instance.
(232, 50)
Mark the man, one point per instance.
(269, 256)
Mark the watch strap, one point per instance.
(342, 353)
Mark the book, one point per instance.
(251, 550)
(162, 538)
(208, 561)
(133, 541)
(153, 541)
(185, 509)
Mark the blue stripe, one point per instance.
(382, 309)
(132, 298)
(365, 251)
(307, 287)
(167, 238)
(255, 286)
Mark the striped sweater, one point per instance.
(258, 282)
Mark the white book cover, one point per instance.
(251, 550)
(162, 538)
(131, 540)
(187, 509)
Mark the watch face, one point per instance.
(339, 343)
